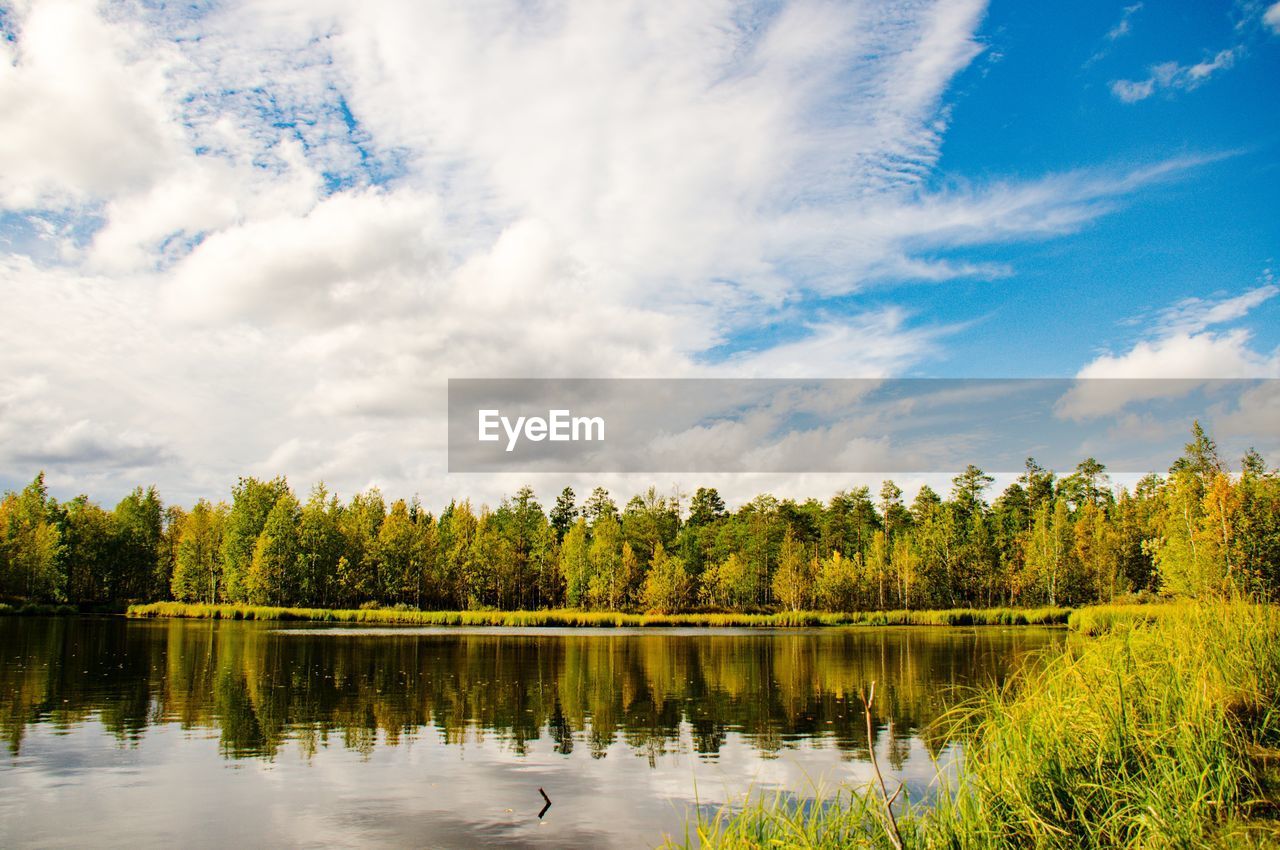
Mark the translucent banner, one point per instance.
(846, 425)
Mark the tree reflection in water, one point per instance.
(260, 685)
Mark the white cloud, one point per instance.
(1172, 75)
(1192, 315)
(355, 256)
(1132, 91)
(84, 106)
(1272, 17)
(1186, 355)
(1123, 27)
(1181, 353)
(275, 229)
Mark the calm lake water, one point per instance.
(147, 733)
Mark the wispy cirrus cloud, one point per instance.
(1123, 26)
(280, 226)
(1172, 76)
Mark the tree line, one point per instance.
(1047, 539)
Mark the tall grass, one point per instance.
(1099, 619)
(567, 617)
(1153, 733)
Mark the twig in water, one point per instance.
(891, 823)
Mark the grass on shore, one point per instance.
(568, 617)
(1159, 730)
(1100, 619)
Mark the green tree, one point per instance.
(274, 570)
(575, 564)
(138, 521)
(666, 587)
(793, 581)
(251, 501)
(599, 504)
(198, 564)
(320, 548)
(86, 532)
(706, 508)
(564, 512)
(606, 585)
(32, 551)
(836, 586)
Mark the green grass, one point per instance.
(1099, 619)
(1159, 730)
(567, 617)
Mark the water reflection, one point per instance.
(618, 725)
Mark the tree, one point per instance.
(836, 587)
(198, 564)
(575, 564)
(1199, 457)
(86, 534)
(273, 572)
(599, 504)
(1098, 549)
(650, 520)
(1258, 526)
(251, 501)
(398, 554)
(138, 521)
(968, 488)
(706, 508)
(361, 524)
(892, 512)
(564, 513)
(1219, 547)
(1174, 550)
(728, 584)
(793, 581)
(1051, 554)
(33, 546)
(607, 584)
(1038, 484)
(320, 547)
(666, 587)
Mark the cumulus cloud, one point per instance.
(1181, 353)
(261, 236)
(86, 115)
(1272, 18)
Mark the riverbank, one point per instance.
(1160, 728)
(607, 619)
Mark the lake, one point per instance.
(153, 732)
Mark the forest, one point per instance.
(1201, 530)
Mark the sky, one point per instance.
(259, 238)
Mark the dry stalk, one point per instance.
(890, 822)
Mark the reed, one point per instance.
(1098, 619)
(598, 619)
(1155, 731)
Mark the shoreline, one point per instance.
(608, 619)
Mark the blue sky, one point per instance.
(259, 238)
(1039, 101)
